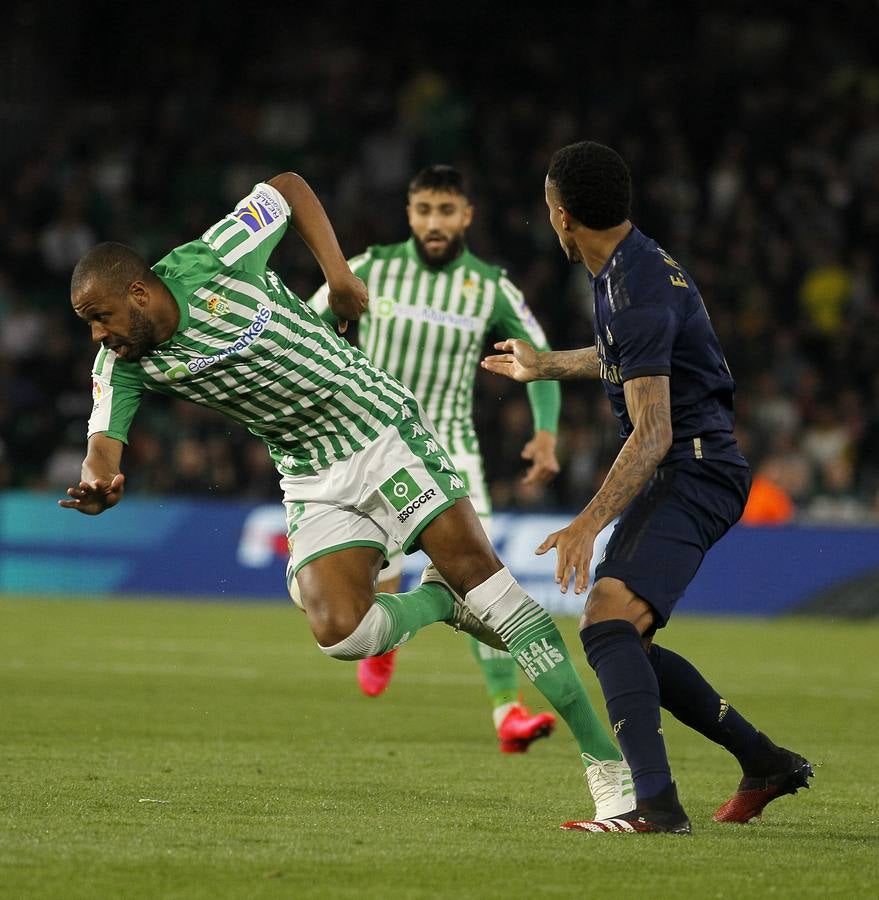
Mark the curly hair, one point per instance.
(593, 182)
(439, 178)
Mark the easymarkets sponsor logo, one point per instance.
(248, 336)
(437, 316)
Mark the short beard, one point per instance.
(453, 250)
(142, 336)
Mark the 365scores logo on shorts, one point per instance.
(404, 494)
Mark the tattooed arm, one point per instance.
(649, 406)
(565, 364)
(522, 362)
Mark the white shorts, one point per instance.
(382, 496)
(470, 467)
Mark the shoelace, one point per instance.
(602, 783)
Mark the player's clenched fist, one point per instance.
(348, 299)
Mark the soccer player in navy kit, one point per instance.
(678, 484)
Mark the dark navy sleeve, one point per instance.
(644, 337)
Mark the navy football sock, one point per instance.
(688, 697)
(631, 692)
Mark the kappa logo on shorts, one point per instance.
(404, 494)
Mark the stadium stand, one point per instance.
(777, 232)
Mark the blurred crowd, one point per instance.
(757, 168)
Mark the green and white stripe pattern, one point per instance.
(250, 348)
(427, 328)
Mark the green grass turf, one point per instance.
(174, 750)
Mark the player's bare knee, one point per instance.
(331, 625)
(333, 615)
(605, 601)
(334, 599)
(611, 599)
(369, 638)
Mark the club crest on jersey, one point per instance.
(470, 290)
(218, 306)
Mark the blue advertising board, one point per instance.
(238, 551)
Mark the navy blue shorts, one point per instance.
(663, 534)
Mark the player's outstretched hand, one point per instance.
(93, 497)
(348, 299)
(519, 362)
(540, 450)
(573, 546)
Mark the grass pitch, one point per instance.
(178, 750)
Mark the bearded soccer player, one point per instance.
(361, 467)
(678, 484)
(433, 302)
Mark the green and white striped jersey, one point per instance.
(249, 347)
(427, 327)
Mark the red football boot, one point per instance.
(520, 729)
(754, 794)
(374, 673)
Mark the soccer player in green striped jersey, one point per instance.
(360, 463)
(432, 304)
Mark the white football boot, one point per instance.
(610, 783)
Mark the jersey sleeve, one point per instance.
(319, 300)
(644, 336)
(245, 238)
(116, 393)
(512, 318)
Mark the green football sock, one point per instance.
(413, 610)
(498, 670)
(535, 643)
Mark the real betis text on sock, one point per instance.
(537, 646)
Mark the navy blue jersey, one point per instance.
(650, 320)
